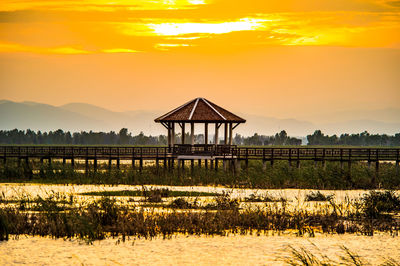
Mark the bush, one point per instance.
(318, 196)
(376, 203)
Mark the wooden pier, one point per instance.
(208, 153)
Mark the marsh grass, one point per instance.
(318, 196)
(302, 256)
(281, 175)
(263, 198)
(59, 216)
(380, 203)
(140, 193)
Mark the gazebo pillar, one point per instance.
(206, 133)
(169, 135)
(172, 134)
(226, 134)
(216, 133)
(230, 133)
(192, 133)
(183, 133)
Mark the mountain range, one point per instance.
(85, 117)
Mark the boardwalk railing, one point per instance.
(231, 152)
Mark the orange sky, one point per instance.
(276, 58)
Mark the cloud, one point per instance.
(68, 27)
(119, 50)
(10, 47)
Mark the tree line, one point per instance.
(123, 137)
(361, 139)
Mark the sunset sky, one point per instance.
(287, 59)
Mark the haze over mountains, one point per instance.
(85, 117)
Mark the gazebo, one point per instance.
(200, 111)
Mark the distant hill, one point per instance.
(44, 117)
(387, 115)
(86, 117)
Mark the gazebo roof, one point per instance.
(200, 110)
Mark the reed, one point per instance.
(106, 217)
(318, 196)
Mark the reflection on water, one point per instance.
(13, 189)
(237, 250)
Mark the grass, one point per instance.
(141, 193)
(318, 196)
(281, 175)
(302, 256)
(264, 198)
(377, 203)
(59, 217)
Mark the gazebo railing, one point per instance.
(204, 149)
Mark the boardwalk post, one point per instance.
(369, 159)
(375, 177)
(349, 164)
(216, 164)
(95, 164)
(247, 159)
(298, 158)
(140, 165)
(28, 169)
(341, 159)
(315, 158)
(397, 161)
(272, 157)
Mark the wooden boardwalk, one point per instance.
(209, 152)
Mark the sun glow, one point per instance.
(244, 24)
